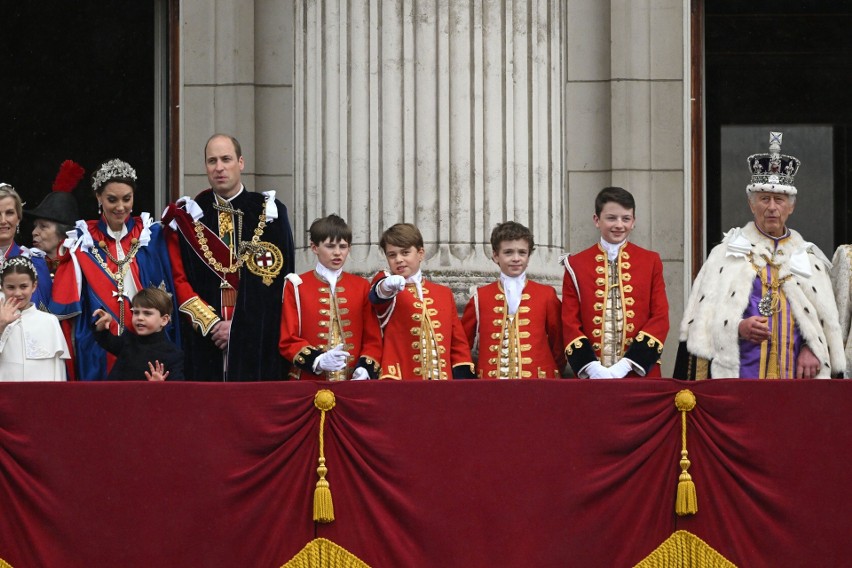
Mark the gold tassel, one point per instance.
(323, 506)
(687, 499)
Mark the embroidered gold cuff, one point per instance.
(372, 362)
(202, 316)
(575, 343)
(653, 342)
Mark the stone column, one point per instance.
(237, 68)
(446, 114)
(624, 105)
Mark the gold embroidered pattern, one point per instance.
(574, 344)
(650, 340)
(428, 351)
(267, 261)
(201, 315)
(612, 327)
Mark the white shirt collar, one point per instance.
(513, 286)
(612, 249)
(417, 280)
(117, 235)
(331, 276)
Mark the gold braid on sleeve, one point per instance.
(202, 315)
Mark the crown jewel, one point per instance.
(773, 172)
(114, 169)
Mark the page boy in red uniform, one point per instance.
(423, 336)
(328, 328)
(615, 315)
(515, 322)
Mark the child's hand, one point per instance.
(156, 372)
(391, 286)
(103, 321)
(9, 311)
(332, 360)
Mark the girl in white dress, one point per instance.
(32, 347)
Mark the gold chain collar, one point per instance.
(770, 303)
(120, 274)
(123, 264)
(243, 253)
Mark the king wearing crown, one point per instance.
(762, 305)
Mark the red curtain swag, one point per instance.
(539, 473)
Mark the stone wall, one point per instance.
(452, 115)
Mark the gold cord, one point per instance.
(686, 502)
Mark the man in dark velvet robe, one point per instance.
(231, 249)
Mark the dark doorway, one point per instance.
(776, 65)
(78, 84)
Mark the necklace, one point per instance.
(119, 275)
(243, 252)
(770, 303)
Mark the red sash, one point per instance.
(220, 251)
(100, 281)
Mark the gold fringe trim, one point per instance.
(322, 553)
(685, 550)
(323, 506)
(4, 564)
(686, 502)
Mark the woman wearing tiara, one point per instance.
(107, 262)
(11, 212)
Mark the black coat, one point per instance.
(134, 352)
(253, 353)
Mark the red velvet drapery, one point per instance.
(467, 473)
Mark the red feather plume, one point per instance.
(70, 174)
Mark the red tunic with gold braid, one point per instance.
(423, 339)
(630, 309)
(313, 321)
(526, 346)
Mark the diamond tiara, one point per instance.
(114, 169)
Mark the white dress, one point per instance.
(32, 348)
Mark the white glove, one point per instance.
(360, 374)
(597, 371)
(620, 369)
(332, 360)
(391, 286)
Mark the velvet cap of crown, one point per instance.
(773, 172)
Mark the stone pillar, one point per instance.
(624, 118)
(446, 114)
(218, 70)
(237, 68)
